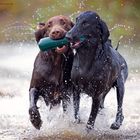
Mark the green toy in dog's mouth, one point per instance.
(47, 43)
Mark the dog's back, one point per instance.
(117, 57)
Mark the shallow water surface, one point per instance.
(16, 64)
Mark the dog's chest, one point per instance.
(94, 78)
(84, 74)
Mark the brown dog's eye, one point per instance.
(49, 24)
(62, 22)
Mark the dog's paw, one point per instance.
(35, 118)
(115, 126)
(77, 121)
(89, 128)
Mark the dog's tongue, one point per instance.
(76, 44)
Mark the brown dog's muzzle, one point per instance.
(57, 32)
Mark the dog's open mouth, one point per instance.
(76, 44)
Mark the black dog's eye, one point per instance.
(85, 23)
(98, 29)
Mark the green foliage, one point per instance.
(121, 14)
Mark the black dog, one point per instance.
(97, 67)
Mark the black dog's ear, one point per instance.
(104, 30)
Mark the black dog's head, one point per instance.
(91, 27)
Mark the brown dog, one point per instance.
(52, 69)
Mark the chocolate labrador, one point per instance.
(97, 67)
(52, 69)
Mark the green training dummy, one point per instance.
(47, 43)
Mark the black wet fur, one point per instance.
(97, 66)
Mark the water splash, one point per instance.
(14, 118)
(18, 32)
(116, 26)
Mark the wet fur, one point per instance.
(97, 66)
(51, 72)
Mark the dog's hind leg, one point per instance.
(120, 93)
(33, 110)
(102, 102)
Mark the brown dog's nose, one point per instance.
(56, 34)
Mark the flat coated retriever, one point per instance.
(52, 69)
(97, 67)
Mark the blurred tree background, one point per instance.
(18, 18)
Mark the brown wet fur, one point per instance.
(51, 69)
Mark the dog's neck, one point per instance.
(90, 51)
(88, 54)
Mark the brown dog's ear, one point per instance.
(104, 31)
(40, 25)
(39, 34)
(41, 30)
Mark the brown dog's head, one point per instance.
(55, 28)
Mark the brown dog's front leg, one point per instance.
(33, 110)
(93, 114)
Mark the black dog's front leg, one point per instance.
(76, 103)
(93, 114)
(65, 100)
(67, 84)
(33, 110)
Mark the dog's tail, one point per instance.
(118, 44)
